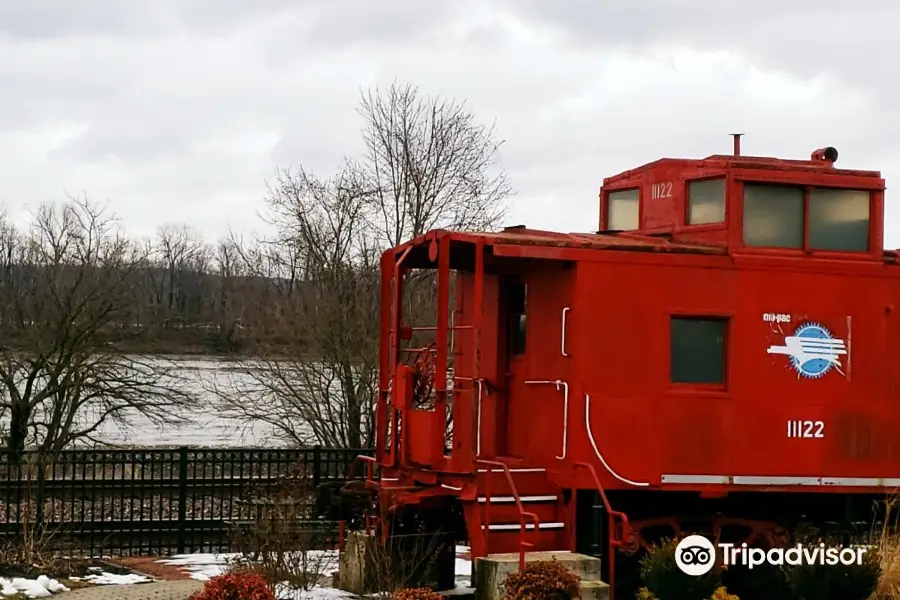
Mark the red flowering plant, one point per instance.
(235, 586)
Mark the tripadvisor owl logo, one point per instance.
(695, 555)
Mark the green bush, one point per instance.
(834, 582)
(543, 580)
(663, 579)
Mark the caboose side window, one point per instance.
(838, 220)
(773, 215)
(697, 350)
(517, 294)
(622, 210)
(706, 201)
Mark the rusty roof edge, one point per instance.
(596, 241)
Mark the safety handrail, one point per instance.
(523, 514)
(370, 467)
(371, 463)
(614, 514)
(614, 540)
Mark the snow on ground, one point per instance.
(41, 587)
(463, 572)
(206, 566)
(202, 567)
(286, 592)
(103, 578)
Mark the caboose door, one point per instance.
(533, 407)
(513, 366)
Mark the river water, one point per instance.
(207, 427)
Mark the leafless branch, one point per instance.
(431, 165)
(428, 164)
(68, 287)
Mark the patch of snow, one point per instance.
(41, 587)
(286, 592)
(104, 578)
(202, 567)
(206, 566)
(463, 561)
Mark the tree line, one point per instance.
(82, 302)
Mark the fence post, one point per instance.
(317, 466)
(182, 497)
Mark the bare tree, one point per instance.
(68, 289)
(319, 384)
(428, 164)
(185, 256)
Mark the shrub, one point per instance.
(416, 594)
(543, 580)
(664, 580)
(722, 594)
(645, 594)
(889, 582)
(235, 586)
(281, 544)
(835, 582)
(762, 581)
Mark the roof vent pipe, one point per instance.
(827, 155)
(737, 143)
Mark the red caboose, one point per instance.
(720, 350)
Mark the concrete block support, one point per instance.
(489, 573)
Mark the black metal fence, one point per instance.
(154, 501)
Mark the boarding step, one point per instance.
(489, 573)
(493, 517)
(529, 482)
(505, 513)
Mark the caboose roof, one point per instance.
(598, 241)
(722, 161)
(522, 236)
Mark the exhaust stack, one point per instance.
(737, 143)
(828, 155)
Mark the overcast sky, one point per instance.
(178, 110)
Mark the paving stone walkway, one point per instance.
(158, 590)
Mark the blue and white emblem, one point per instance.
(813, 350)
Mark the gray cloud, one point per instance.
(179, 110)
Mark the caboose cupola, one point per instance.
(751, 204)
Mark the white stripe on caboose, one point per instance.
(518, 526)
(778, 480)
(508, 499)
